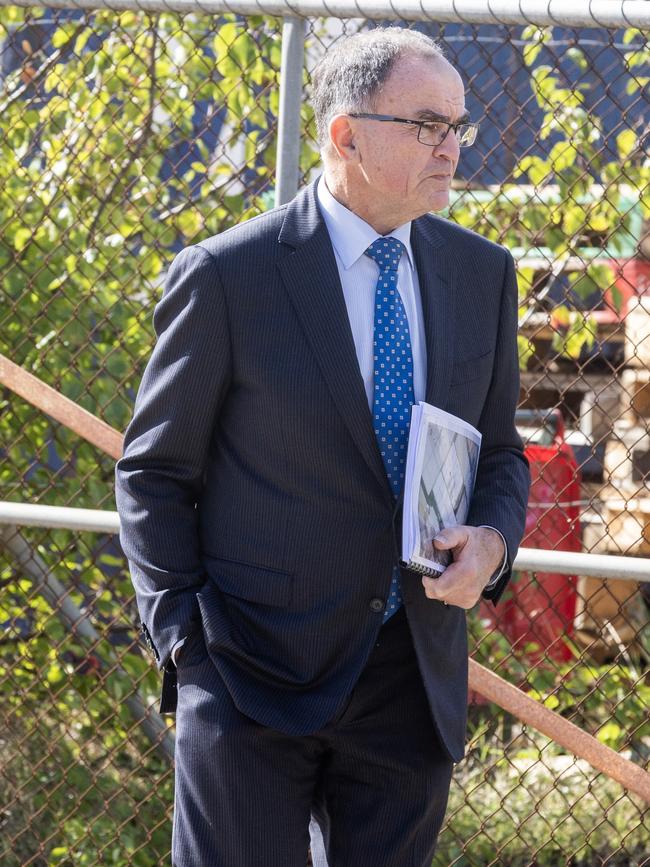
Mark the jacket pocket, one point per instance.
(250, 581)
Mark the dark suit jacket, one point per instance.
(252, 495)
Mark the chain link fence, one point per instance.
(125, 136)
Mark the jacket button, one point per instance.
(377, 604)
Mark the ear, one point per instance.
(342, 138)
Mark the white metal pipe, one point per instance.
(288, 152)
(33, 515)
(594, 565)
(566, 13)
(527, 560)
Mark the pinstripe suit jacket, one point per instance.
(253, 499)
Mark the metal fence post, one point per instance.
(288, 155)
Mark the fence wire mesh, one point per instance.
(126, 136)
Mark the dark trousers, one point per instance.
(374, 781)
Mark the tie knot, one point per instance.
(386, 252)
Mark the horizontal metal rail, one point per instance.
(527, 560)
(566, 13)
(61, 517)
(592, 565)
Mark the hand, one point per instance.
(477, 552)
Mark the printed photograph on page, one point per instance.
(448, 468)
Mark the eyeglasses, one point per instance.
(432, 132)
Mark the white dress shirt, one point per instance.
(351, 236)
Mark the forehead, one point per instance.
(418, 84)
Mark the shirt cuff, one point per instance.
(504, 565)
(177, 647)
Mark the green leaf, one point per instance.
(637, 58)
(563, 155)
(22, 238)
(601, 276)
(638, 83)
(617, 298)
(62, 35)
(610, 733)
(631, 34)
(577, 56)
(626, 142)
(54, 674)
(526, 348)
(537, 169)
(530, 53)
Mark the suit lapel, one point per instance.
(310, 276)
(436, 278)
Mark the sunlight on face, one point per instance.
(405, 178)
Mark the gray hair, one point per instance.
(352, 72)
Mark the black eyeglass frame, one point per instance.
(387, 118)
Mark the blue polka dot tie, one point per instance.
(393, 382)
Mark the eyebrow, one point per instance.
(426, 114)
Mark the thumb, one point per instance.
(449, 537)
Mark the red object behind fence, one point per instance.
(538, 611)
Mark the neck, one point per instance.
(352, 199)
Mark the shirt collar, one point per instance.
(351, 236)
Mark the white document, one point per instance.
(441, 465)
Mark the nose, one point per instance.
(449, 148)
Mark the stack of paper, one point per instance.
(441, 464)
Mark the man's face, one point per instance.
(401, 177)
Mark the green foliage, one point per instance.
(76, 768)
(87, 220)
(610, 700)
(579, 192)
(89, 227)
(535, 806)
(520, 798)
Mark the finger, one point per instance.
(457, 585)
(463, 597)
(442, 586)
(450, 537)
(454, 576)
(430, 587)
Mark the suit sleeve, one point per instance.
(503, 477)
(159, 477)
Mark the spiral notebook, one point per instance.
(441, 464)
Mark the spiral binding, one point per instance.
(418, 567)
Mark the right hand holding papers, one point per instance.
(477, 552)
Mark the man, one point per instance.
(260, 486)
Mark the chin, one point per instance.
(439, 201)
